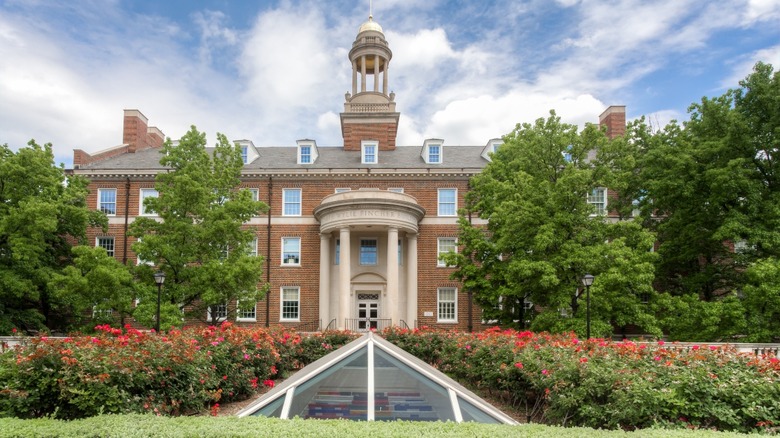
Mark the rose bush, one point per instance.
(559, 379)
(173, 373)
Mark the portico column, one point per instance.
(344, 278)
(392, 274)
(411, 279)
(324, 279)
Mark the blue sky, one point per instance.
(276, 71)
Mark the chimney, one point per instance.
(135, 129)
(614, 119)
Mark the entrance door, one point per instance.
(368, 311)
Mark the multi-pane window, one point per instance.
(246, 314)
(147, 193)
(292, 202)
(245, 154)
(337, 256)
(368, 252)
(434, 153)
(106, 243)
(448, 202)
(255, 194)
(291, 304)
(291, 250)
(598, 199)
(447, 304)
(107, 201)
(253, 247)
(446, 245)
(217, 312)
(305, 154)
(369, 153)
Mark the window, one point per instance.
(247, 314)
(305, 154)
(217, 312)
(343, 189)
(448, 204)
(291, 250)
(368, 252)
(291, 297)
(337, 256)
(147, 193)
(446, 245)
(292, 202)
(400, 252)
(255, 194)
(253, 247)
(107, 201)
(434, 153)
(369, 153)
(598, 199)
(447, 304)
(396, 189)
(106, 243)
(101, 312)
(245, 154)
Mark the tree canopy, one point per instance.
(43, 213)
(199, 241)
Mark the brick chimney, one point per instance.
(136, 136)
(614, 119)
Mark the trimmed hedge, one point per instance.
(142, 426)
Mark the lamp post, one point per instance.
(587, 280)
(159, 278)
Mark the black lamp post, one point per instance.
(159, 278)
(587, 280)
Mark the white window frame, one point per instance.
(101, 312)
(434, 158)
(365, 156)
(599, 204)
(219, 318)
(376, 252)
(240, 312)
(245, 153)
(255, 193)
(106, 238)
(396, 189)
(297, 302)
(100, 202)
(253, 247)
(287, 255)
(454, 203)
(304, 154)
(440, 302)
(143, 194)
(140, 261)
(440, 250)
(342, 189)
(295, 206)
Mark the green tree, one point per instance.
(96, 287)
(42, 213)
(199, 241)
(539, 235)
(714, 184)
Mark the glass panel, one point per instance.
(273, 409)
(368, 252)
(338, 392)
(469, 412)
(402, 393)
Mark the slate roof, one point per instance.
(285, 158)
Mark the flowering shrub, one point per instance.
(559, 379)
(174, 373)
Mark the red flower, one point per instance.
(519, 365)
(269, 383)
(583, 360)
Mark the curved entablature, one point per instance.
(369, 207)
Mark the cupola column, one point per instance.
(376, 73)
(363, 74)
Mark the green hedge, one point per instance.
(142, 426)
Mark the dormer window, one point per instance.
(245, 154)
(433, 152)
(491, 148)
(307, 151)
(369, 151)
(248, 151)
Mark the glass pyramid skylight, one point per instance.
(371, 379)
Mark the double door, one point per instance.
(368, 311)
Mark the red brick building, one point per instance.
(353, 235)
